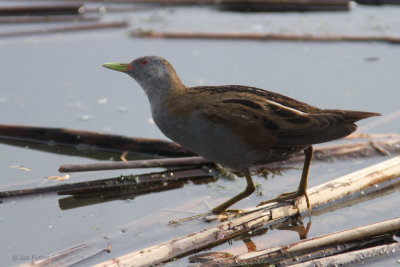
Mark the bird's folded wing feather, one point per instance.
(264, 123)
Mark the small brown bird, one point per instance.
(237, 126)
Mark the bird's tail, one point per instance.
(352, 115)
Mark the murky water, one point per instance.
(58, 81)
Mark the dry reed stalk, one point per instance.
(70, 28)
(354, 257)
(42, 10)
(356, 234)
(257, 217)
(374, 136)
(264, 36)
(150, 163)
(58, 18)
(96, 245)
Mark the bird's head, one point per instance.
(154, 74)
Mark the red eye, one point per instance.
(144, 62)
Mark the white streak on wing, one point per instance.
(285, 107)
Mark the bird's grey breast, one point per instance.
(208, 139)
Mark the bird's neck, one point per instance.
(166, 84)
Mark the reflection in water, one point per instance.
(295, 224)
(122, 187)
(128, 187)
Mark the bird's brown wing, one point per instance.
(263, 123)
(253, 92)
(252, 126)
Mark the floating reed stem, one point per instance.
(357, 257)
(35, 19)
(258, 217)
(42, 10)
(264, 36)
(105, 185)
(325, 153)
(150, 163)
(328, 244)
(93, 140)
(69, 28)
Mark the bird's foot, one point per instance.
(223, 216)
(287, 196)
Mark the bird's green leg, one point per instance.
(250, 188)
(302, 190)
(248, 191)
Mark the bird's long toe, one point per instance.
(285, 197)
